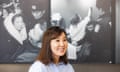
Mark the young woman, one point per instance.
(13, 33)
(53, 57)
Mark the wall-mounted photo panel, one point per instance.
(89, 27)
(22, 23)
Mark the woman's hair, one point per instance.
(15, 16)
(45, 55)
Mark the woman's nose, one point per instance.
(62, 43)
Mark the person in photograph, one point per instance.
(35, 12)
(53, 54)
(12, 36)
(102, 51)
(36, 19)
(40, 25)
(77, 27)
(30, 52)
(36, 26)
(13, 33)
(97, 40)
(58, 20)
(85, 55)
(76, 32)
(15, 45)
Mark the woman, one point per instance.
(53, 57)
(12, 36)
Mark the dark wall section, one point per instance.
(77, 67)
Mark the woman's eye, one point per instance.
(65, 39)
(57, 40)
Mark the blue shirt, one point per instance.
(38, 66)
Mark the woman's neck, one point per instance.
(56, 59)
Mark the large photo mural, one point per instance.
(88, 24)
(89, 27)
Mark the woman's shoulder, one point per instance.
(37, 66)
(66, 67)
(38, 62)
(70, 67)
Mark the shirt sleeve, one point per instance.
(37, 67)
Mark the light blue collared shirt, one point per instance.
(38, 66)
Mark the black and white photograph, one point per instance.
(88, 24)
(89, 28)
(22, 23)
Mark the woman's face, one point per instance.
(19, 23)
(59, 45)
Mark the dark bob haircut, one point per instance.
(45, 55)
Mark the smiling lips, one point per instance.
(61, 49)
